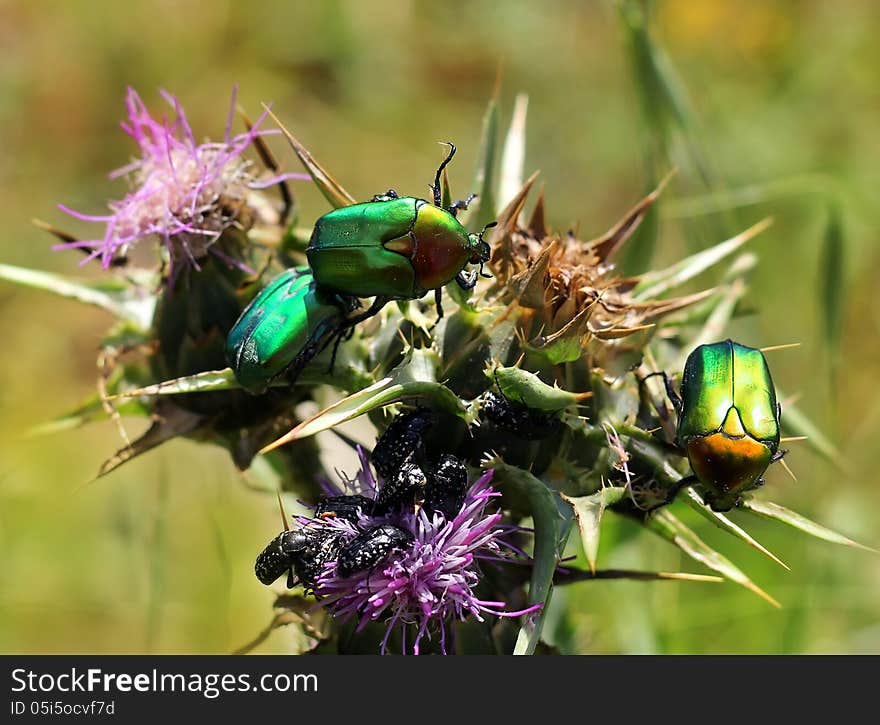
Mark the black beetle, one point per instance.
(446, 488)
(370, 548)
(516, 418)
(302, 552)
(343, 507)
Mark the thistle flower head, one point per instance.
(569, 288)
(183, 193)
(429, 582)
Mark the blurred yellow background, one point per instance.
(785, 99)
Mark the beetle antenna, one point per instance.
(438, 199)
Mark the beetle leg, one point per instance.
(674, 397)
(390, 194)
(378, 303)
(461, 204)
(778, 455)
(466, 281)
(668, 495)
(670, 391)
(336, 345)
(438, 301)
(673, 491)
(346, 328)
(438, 195)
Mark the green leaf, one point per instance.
(801, 185)
(588, 511)
(209, 380)
(546, 518)
(91, 410)
(570, 575)
(469, 340)
(527, 388)
(673, 530)
(774, 511)
(695, 501)
(832, 284)
(714, 326)
(513, 155)
(119, 302)
(328, 186)
(400, 385)
(483, 208)
(665, 104)
(655, 284)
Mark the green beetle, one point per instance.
(396, 247)
(289, 322)
(728, 420)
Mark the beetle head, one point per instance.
(480, 249)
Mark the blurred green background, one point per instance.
(775, 111)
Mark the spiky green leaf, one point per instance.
(545, 515)
(570, 575)
(210, 380)
(668, 526)
(588, 512)
(411, 381)
(695, 501)
(120, 300)
(769, 510)
(484, 206)
(655, 284)
(527, 388)
(513, 155)
(91, 410)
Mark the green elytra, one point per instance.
(389, 248)
(395, 247)
(723, 376)
(728, 420)
(289, 322)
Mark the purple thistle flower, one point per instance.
(432, 580)
(185, 194)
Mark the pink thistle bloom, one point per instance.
(183, 193)
(429, 582)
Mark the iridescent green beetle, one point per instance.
(289, 322)
(728, 420)
(396, 247)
